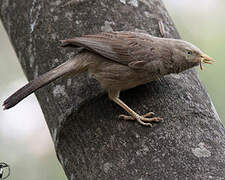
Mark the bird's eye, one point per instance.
(188, 53)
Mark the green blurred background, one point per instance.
(25, 142)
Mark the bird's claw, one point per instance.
(142, 119)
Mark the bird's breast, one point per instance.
(121, 77)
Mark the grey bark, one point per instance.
(90, 141)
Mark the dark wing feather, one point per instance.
(122, 47)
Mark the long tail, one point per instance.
(75, 66)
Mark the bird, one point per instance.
(121, 60)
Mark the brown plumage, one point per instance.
(120, 61)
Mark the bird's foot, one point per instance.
(142, 119)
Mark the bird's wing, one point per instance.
(122, 47)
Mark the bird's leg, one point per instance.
(114, 95)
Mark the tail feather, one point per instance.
(75, 66)
(21, 94)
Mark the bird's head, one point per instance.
(186, 55)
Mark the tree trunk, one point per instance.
(90, 141)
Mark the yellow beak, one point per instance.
(205, 59)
